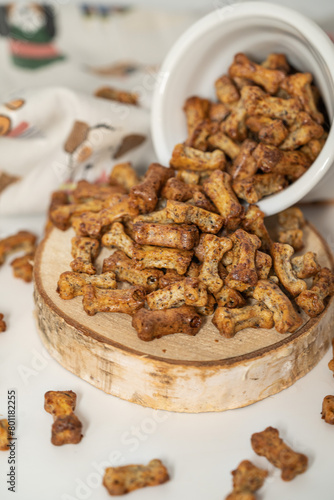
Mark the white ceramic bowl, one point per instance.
(206, 50)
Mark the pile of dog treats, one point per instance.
(265, 130)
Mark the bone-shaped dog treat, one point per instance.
(3, 325)
(268, 444)
(306, 265)
(226, 91)
(257, 103)
(123, 174)
(125, 270)
(170, 277)
(23, 267)
(281, 255)
(201, 201)
(149, 256)
(253, 189)
(247, 478)
(86, 191)
(254, 223)
(200, 134)
(244, 165)
(182, 236)
(314, 146)
(255, 123)
(145, 194)
(189, 291)
(218, 188)
(4, 435)
(290, 163)
(234, 125)
(231, 321)
(218, 111)
(121, 480)
(285, 317)
(184, 214)
(177, 190)
(160, 216)
(242, 274)
(61, 216)
(66, 428)
(92, 224)
(196, 110)
(273, 133)
(221, 141)
(291, 221)
(301, 132)
(276, 61)
(21, 241)
(71, 285)
(230, 298)
(263, 264)
(213, 251)
(118, 238)
(185, 157)
(84, 251)
(123, 301)
(298, 85)
(269, 79)
(328, 410)
(312, 300)
(151, 325)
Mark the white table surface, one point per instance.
(199, 450)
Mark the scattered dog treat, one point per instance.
(270, 445)
(328, 410)
(84, 251)
(72, 284)
(66, 427)
(247, 479)
(3, 325)
(312, 300)
(230, 321)
(4, 435)
(121, 480)
(23, 267)
(21, 241)
(117, 95)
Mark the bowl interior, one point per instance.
(201, 56)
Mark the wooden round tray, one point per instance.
(178, 372)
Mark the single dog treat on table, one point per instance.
(3, 325)
(124, 269)
(151, 325)
(270, 445)
(331, 363)
(84, 251)
(21, 241)
(328, 410)
(247, 479)
(66, 428)
(121, 480)
(118, 95)
(23, 267)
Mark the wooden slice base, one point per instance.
(178, 373)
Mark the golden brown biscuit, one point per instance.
(226, 91)
(151, 325)
(196, 110)
(123, 301)
(268, 444)
(253, 189)
(118, 238)
(190, 292)
(247, 478)
(66, 428)
(181, 213)
(298, 85)
(187, 158)
(269, 79)
(118, 95)
(148, 256)
(242, 274)
(125, 270)
(145, 195)
(312, 301)
(254, 223)
(244, 165)
(181, 236)
(221, 141)
(281, 255)
(84, 251)
(3, 325)
(213, 251)
(285, 317)
(230, 321)
(230, 298)
(121, 480)
(23, 267)
(123, 174)
(71, 285)
(328, 410)
(86, 191)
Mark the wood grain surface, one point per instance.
(178, 372)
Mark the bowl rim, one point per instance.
(309, 29)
